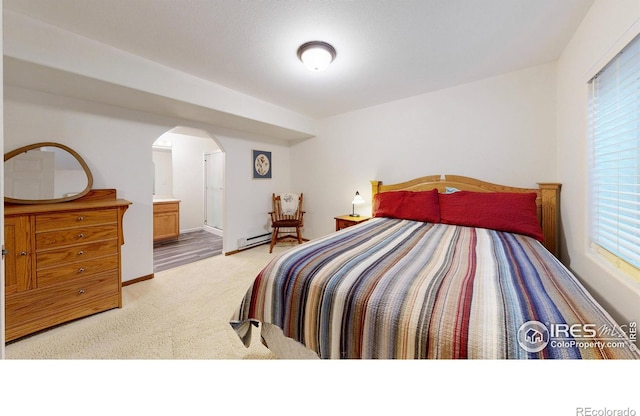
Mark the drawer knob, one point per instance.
(80, 253)
(81, 291)
(81, 269)
(23, 253)
(80, 235)
(80, 218)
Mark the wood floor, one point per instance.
(189, 247)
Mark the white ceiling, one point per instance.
(387, 50)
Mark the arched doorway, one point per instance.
(188, 197)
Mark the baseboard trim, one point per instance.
(228, 253)
(138, 280)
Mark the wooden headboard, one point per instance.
(547, 202)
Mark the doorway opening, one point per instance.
(214, 190)
(188, 197)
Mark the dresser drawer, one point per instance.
(53, 239)
(55, 275)
(63, 220)
(340, 224)
(76, 253)
(28, 312)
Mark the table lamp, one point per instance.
(357, 200)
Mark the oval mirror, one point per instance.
(44, 173)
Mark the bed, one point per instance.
(448, 267)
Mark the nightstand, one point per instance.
(345, 221)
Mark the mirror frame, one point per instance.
(84, 165)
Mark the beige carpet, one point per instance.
(181, 313)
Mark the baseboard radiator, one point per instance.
(256, 240)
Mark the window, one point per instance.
(614, 166)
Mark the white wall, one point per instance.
(500, 130)
(248, 200)
(117, 143)
(116, 146)
(607, 28)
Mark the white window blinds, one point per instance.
(614, 136)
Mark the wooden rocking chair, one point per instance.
(287, 213)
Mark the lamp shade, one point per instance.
(358, 200)
(316, 55)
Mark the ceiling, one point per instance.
(386, 50)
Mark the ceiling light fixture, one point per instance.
(316, 55)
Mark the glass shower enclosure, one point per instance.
(214, 188)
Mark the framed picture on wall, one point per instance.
(261, 162)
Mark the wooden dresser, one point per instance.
(62, 261)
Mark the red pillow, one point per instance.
(502, 211)
(408, 205)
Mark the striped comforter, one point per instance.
(391, 288)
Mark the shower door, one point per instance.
(214, 187)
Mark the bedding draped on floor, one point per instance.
(390, 288)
